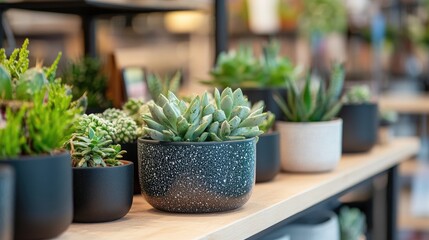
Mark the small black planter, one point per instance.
(131, 156)
(6, 202)
(43, 195)
(360, 125)
(192, 177)
(102, 194)
(267, 157)
(267, 95)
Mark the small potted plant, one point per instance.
(102, 184)
(158, 85)
(267, 149)
(352, 224)
(86, 76)
(259, 79)
(199, 156)
(360, 120)
(310, 138)
(387, 119)
(37, 115)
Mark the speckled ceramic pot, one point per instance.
(193, 177)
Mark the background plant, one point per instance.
(241, 68)
(91, 145)
(359, 94)
(388, 117)
(304, 105)
(267, 125)
(158, 85)
(226, 117)
(352, 223)
(38, 110)
(86, 76)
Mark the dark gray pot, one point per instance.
(360, 125)
(267, 95)
(43, 195)
(7, 181)
(193, 177)
(131, 156)
(102, 194)
(267, 157)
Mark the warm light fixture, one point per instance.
(184, 21)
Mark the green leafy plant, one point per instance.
(158, 85)
(268, 123)
(38, 110)
(242, 69)
(358, 95)
(226, 117)
(86, 76)
(352, 223)
(304, 105)
(323, 16)
(134, 108)
(388, 117)
(92, 148)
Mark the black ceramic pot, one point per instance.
(360, 125)
(266, 94)
(43, 195)
(193, 177)
(102, 194)
(267, 157)
(131, 156)
(6, 202)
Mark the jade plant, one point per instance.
(36, 109)
(86, 76)
(241, 68)
(158, 85)
(91, 144)
(225, 117)
(352, 223)
(358, 95)
(305, 105)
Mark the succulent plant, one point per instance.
(100, 125)
(112, 114)
(352, 223)
(323, 16)
(158, 85)
(134, 108)
(37, 110)
(226, 117)
(241, 68)
(358, 95)
(127, 130)
(388, 117)
(92, 148)
(305, 106)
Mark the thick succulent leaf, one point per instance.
(171, 113)
(152, 124)
(182, 126)
(190, 132)
(225, 129)
(193, 111)
(256, 112)
(162, 100)
(253, 133)
(235, 138)
(332, 113)
(321, 103)
(238, 98)
(155, 135)
(219, 116)
(226, 92)
(217, 97)
(234, 122)
(214, 137)
(214, 127)
(205, 99)
(253, 121)
(168, 134)
(209, 109)
(241, 112)
(282, 105)
(154, 85)
(206, 121)
(226, 106)
(258, 105)
(175, 82)
(158, 115)
(172, 97)
(203, 137)
(183, 106)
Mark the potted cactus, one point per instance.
(102, 183)
(259, 79)
(360, 120)
(128, 126)
(267, 149)
(352, 224)
(200, 156)
(310, 138)
(36, 117)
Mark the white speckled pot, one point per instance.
(310, 146)
(315, 226)
(197, 177)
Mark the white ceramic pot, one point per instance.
(316, 226)
(264, 17)
(310, 146)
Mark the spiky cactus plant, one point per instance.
(112, 114)
(98, 124)
(226, 117)
(134, 108)
(127, 130)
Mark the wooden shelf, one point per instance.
(415, 104)
(270, 203)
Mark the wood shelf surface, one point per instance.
(405, 103)
(270, 203)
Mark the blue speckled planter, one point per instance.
(192, 177)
